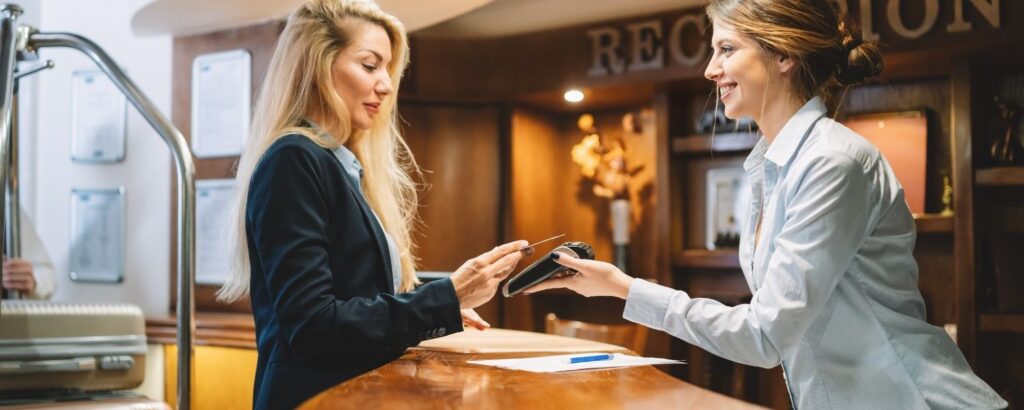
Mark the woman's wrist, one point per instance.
(622, 285)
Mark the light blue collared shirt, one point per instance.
(834, 283)
(354, 169)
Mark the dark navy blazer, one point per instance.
(321, 287)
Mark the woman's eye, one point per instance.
(727, 50)
(369, 67)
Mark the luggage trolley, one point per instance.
(20, 43)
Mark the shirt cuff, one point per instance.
(647, 303)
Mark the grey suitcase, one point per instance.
(70, 347)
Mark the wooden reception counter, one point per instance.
(436, 375)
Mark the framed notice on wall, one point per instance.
(98, 118)
(97, 235)
(214, 199)
(220, 103)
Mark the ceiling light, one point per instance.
(573, 96)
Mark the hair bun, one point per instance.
(859, 60)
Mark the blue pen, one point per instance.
(593, 358)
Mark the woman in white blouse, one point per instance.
(827, 247)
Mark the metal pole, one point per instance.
(186, 193)
(13, 214)
(9, 14)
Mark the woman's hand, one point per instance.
(591, 278)
(18, 275)
(471, 319)
(477, 280)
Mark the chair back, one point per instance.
(628, 335)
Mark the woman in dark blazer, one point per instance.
(325, 208)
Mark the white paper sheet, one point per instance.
(98, 118)
(220, 103)
(560, 363)
(214, 198)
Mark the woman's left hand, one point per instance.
(471, 319)
(591, 278)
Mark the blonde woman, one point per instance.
(325, 210)
(828, 246)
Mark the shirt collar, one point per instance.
(349, 162)
(344, 155)
(788, 140)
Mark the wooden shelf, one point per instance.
(1002, 322)
(1000, 176)
(722, 142)
(934, 223)
(702, 258)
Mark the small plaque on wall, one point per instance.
(214, 200)
(97, 235)
(98, 118)
(220, 103)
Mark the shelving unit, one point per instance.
(706, 259)
(934, 223)
(723, 142)
(1002, 322)
(1000, 176)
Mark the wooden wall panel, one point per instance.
(259, 41)
(460, 149)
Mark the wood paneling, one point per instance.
(259, 41)
(212, 329)
(460, 149)
(961, 152)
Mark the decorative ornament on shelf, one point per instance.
(1006, 149)
(603, 161)
(947, 196)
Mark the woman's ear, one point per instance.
(785, 64)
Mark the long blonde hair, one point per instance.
(299, 76)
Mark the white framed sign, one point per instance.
(97, 235)
(221, 103)
(98, 118)
(214, 199)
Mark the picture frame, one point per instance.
(97, 247)
(221, 103)
(728, 199)
(99, 118)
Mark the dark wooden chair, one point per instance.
(630, 336)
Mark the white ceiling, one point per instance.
(445, 18)
(178, 17)
(509, 17)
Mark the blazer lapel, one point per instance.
(378, 233)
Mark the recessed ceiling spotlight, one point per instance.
(573, 96)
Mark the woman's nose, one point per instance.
(713, 71)
(384, 86)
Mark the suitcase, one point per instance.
(50, 347)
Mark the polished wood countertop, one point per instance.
(438, 377)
